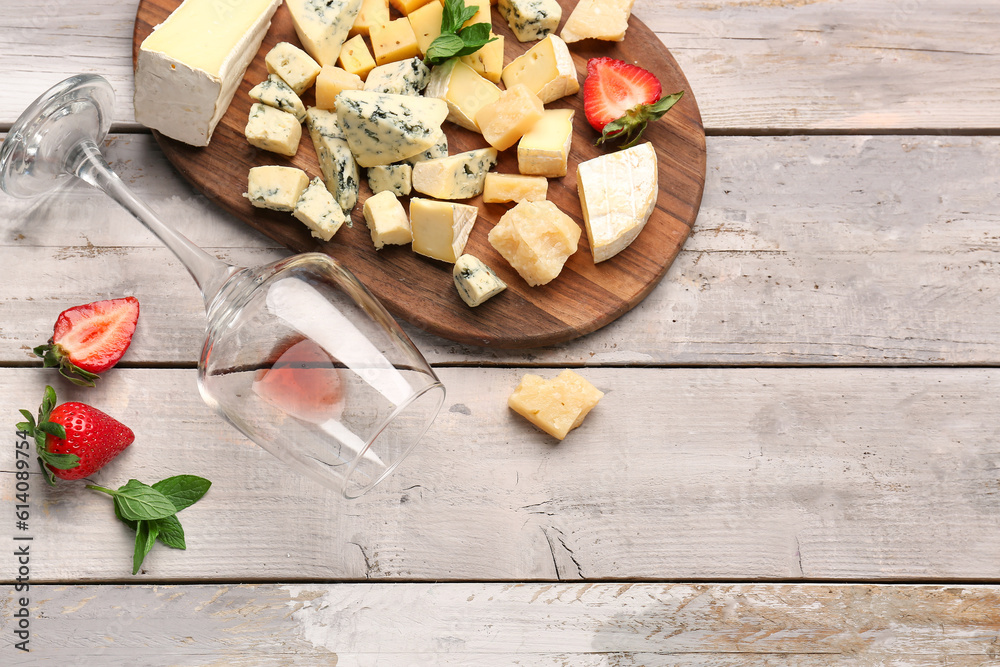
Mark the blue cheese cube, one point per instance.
(340, 171)
(394, 178)
(319, 211)
(276, 93)
(406, 77)
(530, 19)
(458, 176)
(274, 187)
(475, 281)
(293, 65)
(273, 130)
(439, 149)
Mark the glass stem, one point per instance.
(88, 163)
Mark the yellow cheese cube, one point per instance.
(482, 14)
(505, 121)
(440, 228)
(598, 19)
(426, 24)
(373, 12)
(544, 151)
(556, 406)
(465, 91)
(405, 7)
(331, 81)
(293, 65)
(547, 70)
(500, 188)
(273, 130)
(394, 41)
(487, 61)
(355, 57)
(536, 238)
(387, 220)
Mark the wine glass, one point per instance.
(298, 355)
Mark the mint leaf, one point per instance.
(145, 538)
(443, 47)
(455, 14)
(183, 490)
(138, 501)
(170, 532)
(455, 40)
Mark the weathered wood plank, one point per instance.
(747, 474)
(529, 624)
(759, 65)
(808, 250)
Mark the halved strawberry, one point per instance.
(74, 440)
(90, 339)
(619, 99)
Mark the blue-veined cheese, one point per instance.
(386, 219)
(441, 228)
(275, 187)
(439, 149)
(475, 282)
(406, 77)
(319, 211)
(276, 93)
(273, 130)
(190, 66)
(394, 178)
(340, 171)
(293, 65)
(382, 128)
(618, 194)
(458, 176)
(530, 19)
(322, 25)
(598, 19)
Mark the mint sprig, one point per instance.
(151, 511)
(455, 40)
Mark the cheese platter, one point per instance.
(420, 290)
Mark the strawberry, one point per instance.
(73, 439)
(619, 99)
(90, 339)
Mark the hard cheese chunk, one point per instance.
(530, 19)
(276, 93)
(382, 128)
(386, 220)
(556, 406)
(372, 12)
(356, 58)
(544, 151)
(394, 178)
(463, 89)
(323, 25)
(332, 81)
(547, 70)
(340, 171)
(276, 188)
(273, 130)
(500, 188)
(598, 19)
(536, 238)
(458, 176)
(475, 281)
(406, 77)
(406, 7)
(505, 121)
(488, 61)
(617, 193)
(189, 68)
(319, 211)
(441, 229)
(394, 41)
(293, 65)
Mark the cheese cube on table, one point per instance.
(556, 406)
(505, 121)
(276, 93)
(618, 194)
(383, 129)
(323, 26)
(406, 77)
(598, 19)
(356, 58)
(386, 220)
(319, 211)
(276, 188)
(475, 282)
(536, 238)
(441, 229)
(530, 19)
(482, 14)
(372, 12)
(394, 41)
(332, 81)
(293, 65)
(547, 70)
(544, 151)
(458, 176)
(272, 130)
(438, 149)
(406, 7)
(336, 161)
(487, 61)
(189, 68)
(465, 91)
(394, 178)
(500, 188)
(426, 24)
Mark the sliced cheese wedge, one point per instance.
(547, 70)
(382, 128)
(465, 91)
(598, 19)
(322, 27)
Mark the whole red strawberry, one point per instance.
(74, 440)
(90, 339)
(619, 99)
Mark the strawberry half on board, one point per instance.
(90, 339)
(74, 440)
(620, 99)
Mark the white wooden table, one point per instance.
(797, 460)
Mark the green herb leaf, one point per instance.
(183, 490)
(128, 522)
(170, 532)
(455, 40)
(455, 14)
(145, 538)
(443, 47)
(139, 502)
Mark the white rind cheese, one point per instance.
(322, 25)
(618, 194)
(340, 171)
(394, 178)
(598, 19)
(547, 70)
(319, 211)
(276, 93)
(382, 128)
(274, 187)
(458, 176)
(406, 77)
(530, 19)
(475, 282)
(441, 229)
(190, 66)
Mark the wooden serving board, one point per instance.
(419, 290)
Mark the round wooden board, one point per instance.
(419, 290)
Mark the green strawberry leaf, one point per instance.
(53, 428)
(183, 490)
(145, 538)
(631, 126)
(59, 461)
(49, 477)
(170, 532)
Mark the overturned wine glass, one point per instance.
(298, 355)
